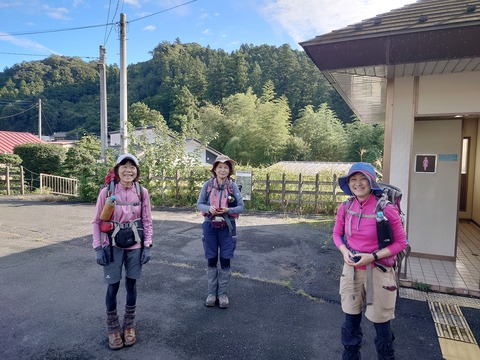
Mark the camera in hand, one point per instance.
(355, 258)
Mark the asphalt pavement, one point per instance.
(283, 293)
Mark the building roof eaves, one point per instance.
(344, 37)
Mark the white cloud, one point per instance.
(149, 28)
(56, 13)
(10, 4)
(26, 43)
(135, 3)
(305, 19)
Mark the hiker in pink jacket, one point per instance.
(122, 238)
(368, 278)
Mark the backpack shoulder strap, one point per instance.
(209, 187)
(111, 188)
(138, 188)
(230, 186)
(382, 201)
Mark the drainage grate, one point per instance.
(450, 323)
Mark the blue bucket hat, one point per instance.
(364, 168)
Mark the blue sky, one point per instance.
(33, 29)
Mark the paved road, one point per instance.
(284, 293)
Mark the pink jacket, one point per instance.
(124, 213)
(364, 230)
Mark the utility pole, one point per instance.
(123, 84)
(103, 105)
(40, 119)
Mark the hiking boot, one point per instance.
(129, 337)
(211, 299)
(129, 325)
(115, 341)
(223, 301)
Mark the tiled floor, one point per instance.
(461, 277)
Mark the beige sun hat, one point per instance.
(224, 159)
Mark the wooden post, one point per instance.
(300, 189)
(267, 190)
(7, 179)
(177, 184)
(22, 181)
(163, 182)
(317, 189)
(283, 191)
(334, 189)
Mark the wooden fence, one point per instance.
(12, 180)
(279, 191)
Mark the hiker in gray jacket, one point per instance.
(220, 202)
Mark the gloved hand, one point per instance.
(100, 256)
(146, 255)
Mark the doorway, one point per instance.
(467, 206)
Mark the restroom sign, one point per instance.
(426, 163)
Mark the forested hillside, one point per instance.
(259, 104)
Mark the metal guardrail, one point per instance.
(58, 185)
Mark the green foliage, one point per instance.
(240, 103)
(91, 183)
(247, 128)
(178, 78)
(81, 156)
(166, 155)
(10, 159)
(323, 132)
(41, 158)
(365, 142)
(421, 286)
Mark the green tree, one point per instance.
(323, 132)
(184, 112)
(365, 142)
(40, 158)
(79, 158)
(139, 114)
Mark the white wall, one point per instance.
(432, 226)
(403, 114)
(449, 94)
(148, 133)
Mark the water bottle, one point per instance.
(108, 209)
(384, 230)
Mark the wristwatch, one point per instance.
(375, 256)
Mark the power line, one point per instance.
(9, 116)
(113, 17)
(86, 27)
(42, 55)
(108, 18)
(91, 26)
(52, 31)
(5, 102)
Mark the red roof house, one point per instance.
(10, 139)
